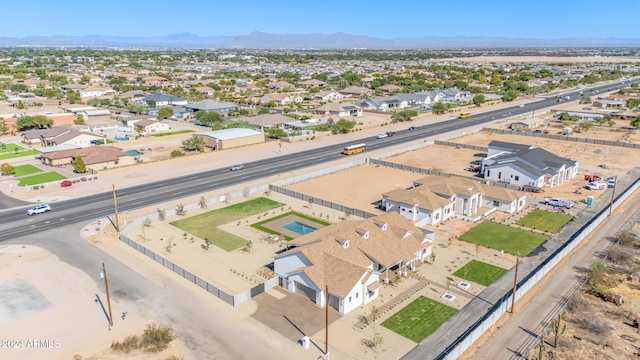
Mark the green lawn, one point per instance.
(40, 179)
(419, 319)
(9, 152)
(480, 273)
(259, 226)
(205, 226)
(502, 237)
(172, 133)
(544, 220)
(27, 169)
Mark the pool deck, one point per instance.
(277, 225)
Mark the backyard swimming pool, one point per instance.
(135, 152)
(299, 228)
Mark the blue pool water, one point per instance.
(134, 152)
(122, 138)
(299, 228)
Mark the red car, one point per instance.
(66, 183)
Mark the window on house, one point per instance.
(499, 175)
(437, 217)
(357, 294)
(349, 298)
(496, 203)
(517, 178)
(488, 173)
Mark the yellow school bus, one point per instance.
(464, 115)
(354, 149)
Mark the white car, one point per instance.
(559, 202)
(39, 209)
(237, 167)
(596, 186)
(382, 135)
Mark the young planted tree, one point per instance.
(78, 165)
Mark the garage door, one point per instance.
(334, 302)
(306, 291)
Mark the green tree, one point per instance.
(263, 111)
(7, 169)
(404, 115)
(586, 125)
(137, 109)
(210, 118)
(33, 122)
(611, 123)
(78, 165)
(20, 105)
(194, 143)
(343, 126)
(510, 95)
(636, 122)
(632, 103)
(564, 116)
(439, 108)
(276, 133)
(79, 120)
(165, 113)
(151, 103)
(478, 100)
(585, 99)
(3, 127)
(73, 97)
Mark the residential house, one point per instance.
(281, 99)
(435, 199)
(338, 110)
(266, 121)
(326, 96)
(205, 90)
(350, 257)
(96, 92)
(383, 103)
(165, 100)
(280, 85)
(133, 96)
(609, 103)
(312, 83)
(95, 157)
(59, 135)
(389, 88)
(526, 165)
(157, 81)
(222, 108)
(527, 124)
(150, 126)
(356, 91)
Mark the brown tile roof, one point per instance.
(90, 155)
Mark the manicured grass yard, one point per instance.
(27, 169)
(205, 226)
(40, 179)
(502, 237)
(259, 226)
(480, 273)
(419, 319)
(9, 152)
(544, 220)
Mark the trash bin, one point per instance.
(589, 200)
(305, 342)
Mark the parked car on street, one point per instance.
(596, 186)
(39, 209)
(558, 202)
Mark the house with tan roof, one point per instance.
(327, 96)
(312, 82)
(97, 92)
(281, 98)
(435, 199)
(339, 110)
(95, 157)
(343, 264)
(356, 91)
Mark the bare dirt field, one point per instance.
(65, 319)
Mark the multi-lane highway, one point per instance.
(15, 223)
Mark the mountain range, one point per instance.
(260, 40)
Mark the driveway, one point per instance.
(291, 315)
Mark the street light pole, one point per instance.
(115, 206)
(106, 286)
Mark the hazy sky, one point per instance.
(543, 19)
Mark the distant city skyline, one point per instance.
(542, 19)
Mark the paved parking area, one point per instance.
(19, 298)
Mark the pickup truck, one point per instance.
(596, 186)
(557, 202)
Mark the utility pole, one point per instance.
(515, 284)
(326, 322)
(106, 286)
(115, 206)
